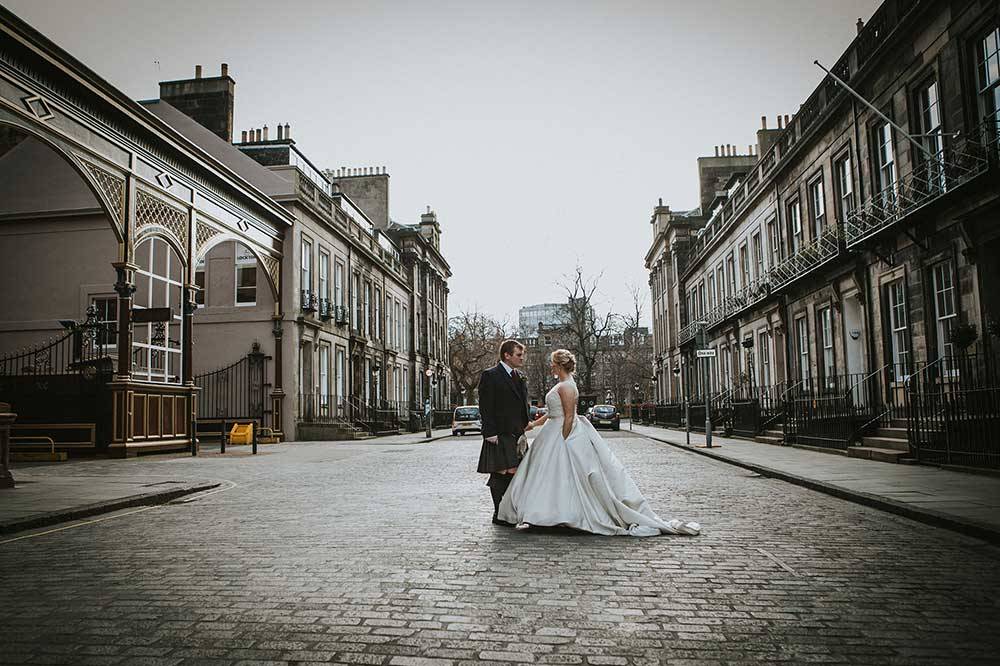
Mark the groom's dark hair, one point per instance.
(508, 347)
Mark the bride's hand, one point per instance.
(531, 424)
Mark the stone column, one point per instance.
(6, 418)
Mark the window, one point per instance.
(324, 379)
(795, 226)
(246, 276)
(406, 330)
(845, 186)
(338, 283)
(701, 299)
(885, 164)
(107, 317)
(399, 327)
(156, 347)
(827, 370)
(720, 283)
(899, 340)
(368, 308)
(802, 334)
(711, 291)
(324, 275)
(378, 314)
(744, 266)
(945, 312)
(929, 127)
(359, 317)
(817, 206)
(199, 281)
(305, 273)
(406, 385)
(764, 354)
(988, 69)
(731, 274)
(758, 255)
(341, 377)
(774, 238)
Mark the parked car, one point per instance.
(606, 416)
(466, 419)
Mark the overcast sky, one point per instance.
(541, 132)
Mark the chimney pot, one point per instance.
(225, 69)
(661, 202)
(763, 122)
(243, 137)
(780, 126)
(786, 120)
(860, 25)
(288, 131)
(258, 135)
(716, 151)
(281, 132)
(749, 149)
(265, 132)
(197, 71)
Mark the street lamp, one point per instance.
(635, 396)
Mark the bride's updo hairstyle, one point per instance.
(564, 359)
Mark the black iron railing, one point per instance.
(954, 410)
(236, 391)
(374, 417)
(309, 301)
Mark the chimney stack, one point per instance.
(209, 102)
(763, 122)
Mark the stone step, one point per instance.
(38, 456)
(880, 454)
(765, 439)
(890, 443)
(894, 433)
(774, 433)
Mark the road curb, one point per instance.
(87, 510)
(926, 516)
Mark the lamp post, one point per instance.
(686, 364)
(635, 397)
(705, 377)
(428, 409)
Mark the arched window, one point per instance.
(156, 346)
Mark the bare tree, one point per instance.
(585, 329)
(473, 341)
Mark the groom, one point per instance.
(503, 406)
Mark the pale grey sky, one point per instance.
(541, 132)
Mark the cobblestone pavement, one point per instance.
(384, 554)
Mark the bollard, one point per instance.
(222, 436)
(254, 439)
(194, 437)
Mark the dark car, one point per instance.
(605, 416)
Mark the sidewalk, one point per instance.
(967, 503)
(408, 438)
(43, 498)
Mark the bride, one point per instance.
(570, 477)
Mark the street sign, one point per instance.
(704, 353)
(151, 315)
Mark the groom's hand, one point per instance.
(492, 440)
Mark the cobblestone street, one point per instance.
(381, 553)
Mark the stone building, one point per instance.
(838, 268)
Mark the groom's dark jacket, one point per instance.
(503, 403)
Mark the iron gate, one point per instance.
(235, 392)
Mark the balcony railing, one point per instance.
(967, 157)
(325, 309)
(807, 258)
(309, 301)
(340, 315)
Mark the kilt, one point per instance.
(500, 456)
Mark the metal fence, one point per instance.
(954, 410)
(374, 417)
(236, 391)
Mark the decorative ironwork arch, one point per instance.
(271, 265)
(109, 191)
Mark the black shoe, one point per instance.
(497, 521)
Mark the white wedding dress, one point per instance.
(578, 482)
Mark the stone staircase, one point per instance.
(771, 436)
(334, 431)
(885, 444)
